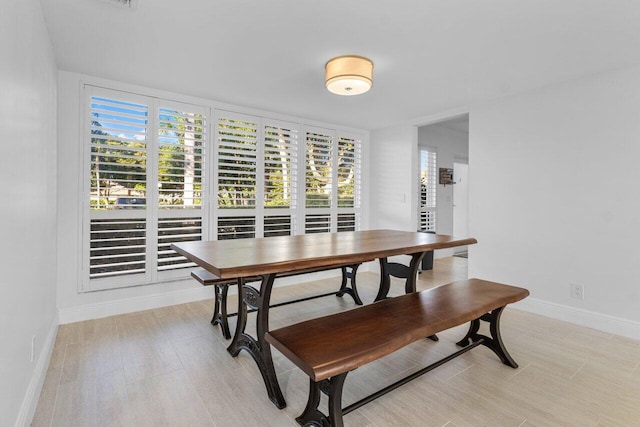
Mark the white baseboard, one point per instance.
(602, 322)
(148, 302)
(130, 305)
(30, 401)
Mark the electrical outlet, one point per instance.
(33, 348)
(577, 291)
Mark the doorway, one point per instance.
(449, 141)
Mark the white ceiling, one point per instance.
(430, 56)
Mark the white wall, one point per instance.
(555, 197)
(448, 144)
(28, 207)
(394, 178)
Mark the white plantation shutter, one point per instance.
(427, 197)
(236, 227)
(117, 189)
(280, 166)
(278, 225)
(348, 184)
(347, 222)
(117, 247)
(257, 176)
(237, 159)
(118, 151)
(319, 169)
(181, 140)
(144, 187)
(176, 228)
(280, 177)
(237, 153)
(319, 176)
(317, 223)
(349, 159)
(181, 137)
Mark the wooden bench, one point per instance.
(327, 348)
(221, 289)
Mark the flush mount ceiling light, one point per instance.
(349, 75)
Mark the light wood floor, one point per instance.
(169, 367)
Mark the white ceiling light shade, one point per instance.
(349, 75)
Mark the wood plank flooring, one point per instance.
(169, 367)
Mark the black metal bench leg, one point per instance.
(312, 415)
(351, 290)
(216, 305)
(495, 342)
(474, 327)
(335, 400)
(220, 315)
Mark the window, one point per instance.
(144, 187)
(332, 182)
(427, 197)
(263, 170)
(257, 176)
(152, 180)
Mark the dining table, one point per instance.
(271, 257)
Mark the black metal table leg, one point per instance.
(257, 347)
(344, 286)
(414, 266)
(395, 269)
(385, 280)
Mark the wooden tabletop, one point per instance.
(248, 257)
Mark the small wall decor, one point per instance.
(446, 176)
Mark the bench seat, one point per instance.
(329, 347)
(206, 278)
